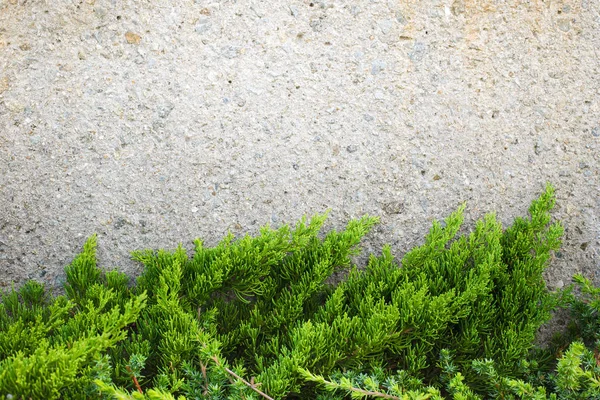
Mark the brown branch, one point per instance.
(203, 369)
(135, 381)
(250, 385)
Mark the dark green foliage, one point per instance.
(586, 310)
(259, 317)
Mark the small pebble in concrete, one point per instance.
(394, 207)
(316, 25)
(351, 149)
(230, 51)
(564, 24)
(202, 26)
(377, 66)
(458, 7)
(385, 25)
(164, 111)
(120, 222)
(132, 38)
(418, 52)
(400, 18)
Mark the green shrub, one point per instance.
(259, 317)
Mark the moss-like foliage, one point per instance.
(258, 317)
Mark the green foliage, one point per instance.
(586, 310)
(260, 317)
(376, 384)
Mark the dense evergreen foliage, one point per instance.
(260, 317)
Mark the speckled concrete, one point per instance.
(152, 123)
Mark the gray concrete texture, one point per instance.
(152, 123)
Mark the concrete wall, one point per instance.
(155, 122)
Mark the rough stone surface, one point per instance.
(153, 123)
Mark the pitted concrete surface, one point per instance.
(153, 123)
